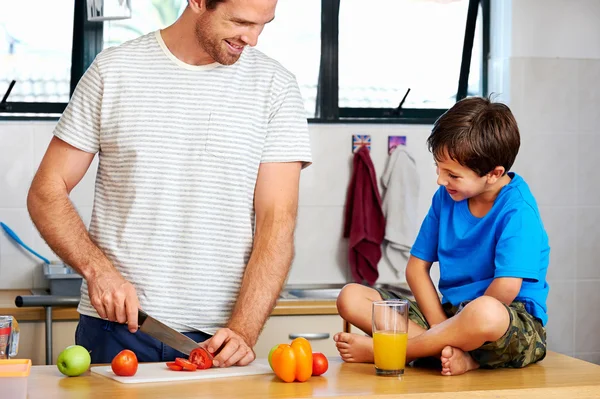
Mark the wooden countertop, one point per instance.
(557, 376)
(283, 308)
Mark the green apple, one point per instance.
(73, 361)
(271, 355)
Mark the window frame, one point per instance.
(327, 108)
(87, 43)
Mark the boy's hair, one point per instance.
(478, 134)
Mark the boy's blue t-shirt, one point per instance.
(509, 241)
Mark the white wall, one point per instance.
(22, 146)
(321, 250)
(552, 51)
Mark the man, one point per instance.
(201, 140)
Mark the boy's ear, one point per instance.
(495, 174)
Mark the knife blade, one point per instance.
(165, 334)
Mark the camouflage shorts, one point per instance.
(523, 343)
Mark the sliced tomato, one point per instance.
(174, 366)
(185, 364)
(201, 358)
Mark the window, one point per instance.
(147, 16)
(294, 39)
(39, 59)
(414, 44)
(407, 64)
(354, 60)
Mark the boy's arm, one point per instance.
(519, 253)
(504, 289)
(419, 281)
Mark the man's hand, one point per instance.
(232, 349)
(114, 298)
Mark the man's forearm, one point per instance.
(264, 277)
(62, 228)
(425, 294)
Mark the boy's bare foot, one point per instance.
(456, 362)
(354, 348)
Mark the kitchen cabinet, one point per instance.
(318, 329)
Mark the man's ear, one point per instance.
(495, 174)
(197, 5)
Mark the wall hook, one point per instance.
(395, 141)
(361, 140)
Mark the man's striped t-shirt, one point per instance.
(179, 150)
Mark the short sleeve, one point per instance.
(519, 246)
(426, 244)
(287, 130)
(79, 124)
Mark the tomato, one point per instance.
(125, 364)
(201, 358)
(320, 363)
(185, 364)
(174, 366)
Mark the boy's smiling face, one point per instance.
(460, 181)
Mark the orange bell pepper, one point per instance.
(293, 362)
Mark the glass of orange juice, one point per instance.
(390, 336)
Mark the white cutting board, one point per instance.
(159, 372)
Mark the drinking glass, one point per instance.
(390, 336)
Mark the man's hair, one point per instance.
(212, 4)
(476, 133)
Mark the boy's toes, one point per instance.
(342, 345)
(343, 337)
(447, 353)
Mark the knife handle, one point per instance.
(142, 316)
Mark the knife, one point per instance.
(165, 334)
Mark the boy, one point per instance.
(485, 230)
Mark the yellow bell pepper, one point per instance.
(293, 362)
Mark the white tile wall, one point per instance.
(555, 81)
(587, 322)
(561, 320)
(548, 163)
(16, 163)
(22, 146)
(545, 94)
(555, 28)
(561, 228)
(588, 117)
(321, 252)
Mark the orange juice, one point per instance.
(390, 350)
